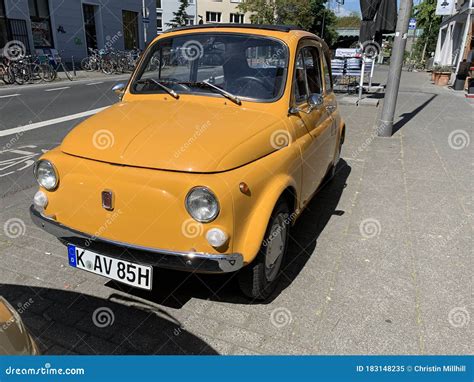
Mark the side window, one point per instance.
(301, 92)
(327, 75)
(313, 69)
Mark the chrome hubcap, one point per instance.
(275, 248)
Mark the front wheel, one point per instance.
(259, 279)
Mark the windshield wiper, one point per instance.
(165, 88)
(225, 93)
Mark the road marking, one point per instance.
(10, 95)
(37, 125)
(52, 90)
(95, 83)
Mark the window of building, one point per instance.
(40, 23)
(158, 4)
(89, 26)
(213, 17)
(159, 22)
(236, 18)
(2, 9)
(130, 30)
(3, 25)
(190, 1)
(235, 1)
(190, 20)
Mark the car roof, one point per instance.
(278, 28)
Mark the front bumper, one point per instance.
(184, 261)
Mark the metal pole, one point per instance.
(361, 83)
(385, 124)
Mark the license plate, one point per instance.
(139, 276)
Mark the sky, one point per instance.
(344, 10)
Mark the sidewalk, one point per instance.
(81, 76)
(380, 263)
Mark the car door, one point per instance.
(315, 118)
(330, 104)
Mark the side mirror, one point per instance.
(314, 100)
(119, 89)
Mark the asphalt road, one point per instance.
(34, 104)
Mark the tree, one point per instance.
(180, 18)
(309, 15)
(429, 22)
(351, 21)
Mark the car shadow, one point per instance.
(174, 289)
(67, 322)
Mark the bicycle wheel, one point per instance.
(49, 74)
(36, 74)
(108, 67)
(86, 64)
(20, 74)
(68, 74)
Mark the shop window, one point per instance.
(130, 29)
(40, 23)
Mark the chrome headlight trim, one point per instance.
(53, 168)
(206, 190)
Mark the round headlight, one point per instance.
(46, 175)
(202, 204)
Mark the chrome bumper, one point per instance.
(184, 261)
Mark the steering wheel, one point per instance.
(254, 79)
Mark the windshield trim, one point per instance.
(141, 68)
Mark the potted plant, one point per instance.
(442, 75)
(434, 70)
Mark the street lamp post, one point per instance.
(385, 123)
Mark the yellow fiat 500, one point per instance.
(222, 136)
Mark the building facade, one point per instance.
(73, 26)
(455, 38)
(200, 12)
(221, 11)
(165, 13)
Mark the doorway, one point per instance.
(90, 26)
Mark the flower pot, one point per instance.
(443, 78)
(433, 76)
(436, 76)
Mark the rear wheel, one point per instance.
(259, 279)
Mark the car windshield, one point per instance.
(244, 66)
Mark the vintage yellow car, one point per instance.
(222, 136)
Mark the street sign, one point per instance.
(412, 24)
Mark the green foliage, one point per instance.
(351, 21)
(309, 15)
(429, 22)
(180, 16)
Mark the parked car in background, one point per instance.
(205, 163)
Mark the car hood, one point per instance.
(178, 135)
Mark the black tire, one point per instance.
(258, 281)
